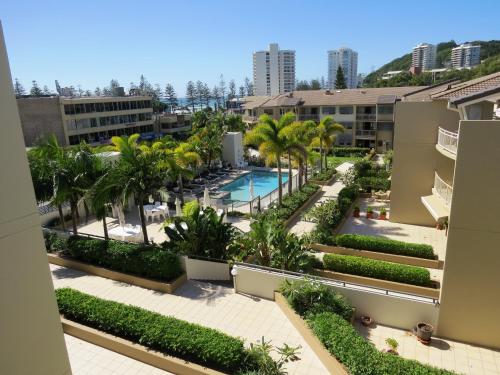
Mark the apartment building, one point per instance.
(367, 114)
(348, 60)
(424, 57)
(91, 119)
(177, 125)
(273, 71)
(446, 170)
(465, 56)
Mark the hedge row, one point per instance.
(149, 261)
(350, 151)
(369, 184)
(192, 342)
(292, 202)
(358, 355)
(377, 269)
(384, 245)
(325, 175)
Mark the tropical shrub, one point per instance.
(192, 342)
(260, 354)
(350, 151)
(377, 269)
(369, 184)
(385, 245)
(53, 242)
(324, 176)
(291, 202)
(149, 261)
(319, 235)
(311, 297)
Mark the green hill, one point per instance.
(490, 53)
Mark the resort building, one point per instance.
(465, 56)
(424, 57)
(348, 60)
(173, 124)
(92, 119)
(367, 114)
(445, 172)
(273, 71)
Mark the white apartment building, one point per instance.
(465, 56)
(273, 71)
(348, 60)
(424, 56)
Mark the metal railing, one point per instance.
(250, 118)
(304, 117)
(448, 140)
(366, 116)
(442, 189)
(365, 133)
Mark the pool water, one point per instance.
(263, 183)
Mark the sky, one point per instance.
(90, 42)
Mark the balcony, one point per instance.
(251, 119)
(447, 143)
(439, 202)
(306, 117)
(366, 134)
(366, 117)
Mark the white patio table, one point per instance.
(125, 233)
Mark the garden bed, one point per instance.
(299, 210)
(160, 286)
(324, 178)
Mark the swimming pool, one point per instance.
(263, 183)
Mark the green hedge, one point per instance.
(291, 203)
(377, 269)
(149, 261)
(369, 184)
(324, 176)
(350, 151)
(192, 342)
(384, 245)
(358, 355)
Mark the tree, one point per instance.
(248, 87)
(35, 89)
(315, 84)
(200, 120)
(270, 137)
(191, 94)
(232, 90)
(340, 79)
(181, 161)
(97, 91)
(302, 85)
(241, 92)
(324, 138)
(322, 82)
(87, 93)
(199, 93)
(216, 96)
(19, 88)
(170, 95)
(46, 90)
(222, 90)
(207, 95)
(207, 143)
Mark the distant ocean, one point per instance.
(183, 102)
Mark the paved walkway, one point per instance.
(210, 305)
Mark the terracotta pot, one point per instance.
(424, 332)
(355, 213)
(366, 321)
(392, 351)
(382, 217)
(369, 215)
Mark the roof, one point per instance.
(362, 96)
(426, 93)
(468, 88)
(251, 102)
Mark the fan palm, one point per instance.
(270, 136)
(326, 131)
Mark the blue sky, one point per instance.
(90, 42)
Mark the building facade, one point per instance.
(173, 124)
(91, 119)
(366, 114)
(465, 56)
(446, 158)
(424, 56)
(348, 60)
(273, 71)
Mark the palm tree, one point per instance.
(207, 142)
(325, 137)
(270, 136)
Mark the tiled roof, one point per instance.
(469, 88)
(426, 93)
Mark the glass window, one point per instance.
(89, 107)
(386, 109)
(328, 110)
(69, 109)
(387, 126)
(347, 124)
(346, 110)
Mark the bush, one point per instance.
(53, 242)
(369, 184)
(192, 342)
(384, 245)
(319, 235)
(377, 269)
(311, 297)
(358, 355)
(149, 261)
(324, 176)
(291, 203)
(350, 151)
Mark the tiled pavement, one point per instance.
(210, 305)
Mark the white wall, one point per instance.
(204, 270)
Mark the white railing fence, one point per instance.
(443, 190)
(448, 140)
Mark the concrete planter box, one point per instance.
(328, 360)
(299, 210)
(135, 351)
(143, 282)
(378, 283)
(324, 183)
(402, 259)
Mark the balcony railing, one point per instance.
(448, 140)
(365, 133)
(305, 117)
(366, 116)
(442, 189)
(248, 118)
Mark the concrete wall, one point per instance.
(40, 118)
(204, 270)
(232, 148)
(470, 296)
(416, 158)
(387, 310)
(32, 340)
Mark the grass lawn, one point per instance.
(335, 161)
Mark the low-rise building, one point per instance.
(446, 172)
(367, 114)
(174, 124)
(92, 119)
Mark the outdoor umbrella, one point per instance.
(178, 209)
(206, 198)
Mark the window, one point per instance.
(89, 107)
(386, 109)
(346, 110)
(268, 112)
(387, 126)
(69, 109)
(328, 110)
(99, 107)
(347, 124)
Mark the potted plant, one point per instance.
(355, 213)
(369, 213)
(366, 320)
(424, 332)
(393, 346)
(383, 214)
(439, 226)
